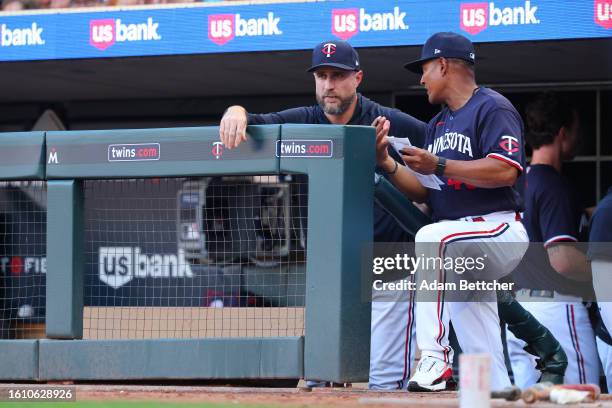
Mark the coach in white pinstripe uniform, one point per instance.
(475, 146)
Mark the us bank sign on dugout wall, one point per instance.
(292, 26)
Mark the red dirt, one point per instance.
(291, 397)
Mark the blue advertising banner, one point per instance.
(200, 29)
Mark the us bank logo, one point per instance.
(117, 266)
(223, 28)
(476, 17)
(603, 13)
(22, 36)
(348, 22)
(105, 33)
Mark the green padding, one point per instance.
(22, 156)
(227, 358)
(18, 360)
(172, 152)
(65, 264)
(340, 210)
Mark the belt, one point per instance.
(524, 294)
(496, 216)
(542, 293)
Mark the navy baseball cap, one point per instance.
(336, 54)
(447, 45)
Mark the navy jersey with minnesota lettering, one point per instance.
(551, 215)
(386, 228)
(486, 126)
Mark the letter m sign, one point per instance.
(52, 157)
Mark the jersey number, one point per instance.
(457, 184)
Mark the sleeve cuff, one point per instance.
(559, 238)
(505, 159)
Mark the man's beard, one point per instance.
(336, 109)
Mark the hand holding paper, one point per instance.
(430, 181)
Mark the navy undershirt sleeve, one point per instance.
(403, 125)
(293, 115)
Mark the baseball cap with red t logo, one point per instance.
(335, 54)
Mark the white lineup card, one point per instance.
(429, 181)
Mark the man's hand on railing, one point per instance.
(232, 128)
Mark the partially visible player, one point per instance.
(338, 73)
(475, 145)
(600, 255)
(555, 275)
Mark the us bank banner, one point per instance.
(201, 29)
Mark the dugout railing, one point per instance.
(339, 164)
